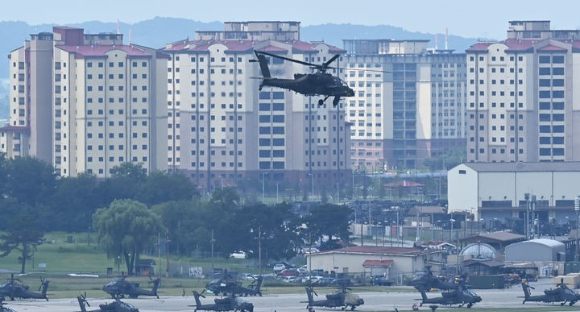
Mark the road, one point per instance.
(374, 301)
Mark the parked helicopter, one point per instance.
(115, 306)
(428, 281)
(318, 83)
(223, 285)
(13, 288)
(254, 289)
(341, 298)
(231, 303)
(460, 296)
(561, 294)
(120, 287)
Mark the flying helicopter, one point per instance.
(115, 306)
(317, 83)
(120, 288)
(341, 298)
(231, 303)
(561, 294)
(14, 288)
(460, 296)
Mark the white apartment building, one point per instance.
(223, 130)
(522, 104)
(409, 103)
(87, 103)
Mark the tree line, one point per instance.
(132, 209)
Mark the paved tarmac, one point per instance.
(374, 301)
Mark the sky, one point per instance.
(466, 18)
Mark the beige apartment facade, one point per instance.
(224, 131)
(522, 104)
(409, 103)
(95, 101)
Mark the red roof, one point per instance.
(101, 50)
(552, 48)
(521, 45)
(377, 263)
(247, 45)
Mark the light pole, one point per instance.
(577, 209)
(263, 187)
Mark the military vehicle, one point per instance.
(115, 306)
(340, 299)
(561, 294)
(429, 281)
(317, 83)
(121, 287)
(14, 288)
(231, 303)
(228, 285)
(460, 296)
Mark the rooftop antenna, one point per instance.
(118, 27)
(130, 36)
(446, 39)
(436, 42)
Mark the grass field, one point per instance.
(59, 258)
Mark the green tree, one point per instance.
(74, 203)
(161, 187)
(271, 228)
(23, 233)
(125, 229)
(126, 182)
(30, 180)
(329, 220)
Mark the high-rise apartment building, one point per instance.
(222, 129)
(409, 103)
(521, 95)
(87, 103)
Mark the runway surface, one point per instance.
(374, 301)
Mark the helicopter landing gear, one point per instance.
(321, 101)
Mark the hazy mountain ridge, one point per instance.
(159, 31)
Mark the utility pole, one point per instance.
(577, 209)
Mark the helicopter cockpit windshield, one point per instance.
(339, 81)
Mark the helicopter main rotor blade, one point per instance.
(325, 65)
(289, 59)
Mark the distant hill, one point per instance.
(159, 31)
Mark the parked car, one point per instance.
(380, 281)
(279, 267)
(289, 272)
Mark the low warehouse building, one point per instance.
(541, 249)
(396, 263)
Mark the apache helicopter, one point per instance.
(561, 294)
(115, 306)
(223, 285)
(228, 285)
(120, 287)
(254, 289)
(428, 281)
(231, 303)
(318, 83)
(341, 299)
(13, 288)
(460, 296)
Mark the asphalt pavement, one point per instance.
(374, 301)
